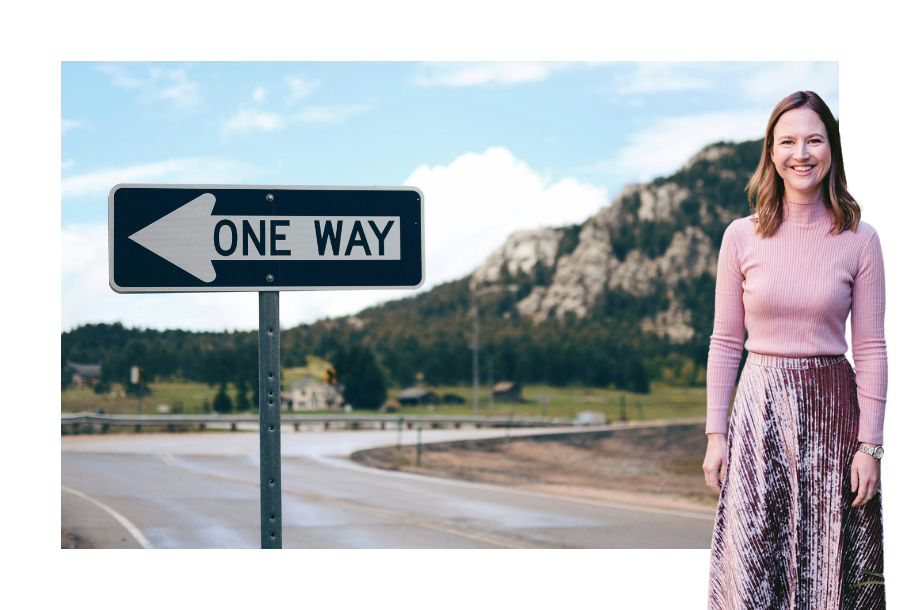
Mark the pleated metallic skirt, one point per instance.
(786, 536)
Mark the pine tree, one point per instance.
(222, 401)
(365, 385)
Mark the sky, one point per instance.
(494, 146)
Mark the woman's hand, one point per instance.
(715, 461)
(865, 473)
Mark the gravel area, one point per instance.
(654, 467)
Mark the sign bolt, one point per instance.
(270, 197)
(270, 278)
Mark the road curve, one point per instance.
(201, 490)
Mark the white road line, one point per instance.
(132, 529)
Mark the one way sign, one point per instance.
(196, 238)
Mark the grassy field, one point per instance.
(191, 395)
(664, 401)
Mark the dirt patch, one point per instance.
(73, 541)
(659, 467)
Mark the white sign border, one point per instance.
(261, 187)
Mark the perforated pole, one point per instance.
(269, 420)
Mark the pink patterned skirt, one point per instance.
(786, 537)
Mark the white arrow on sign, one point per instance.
(191, 237)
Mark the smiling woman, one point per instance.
(799, 519)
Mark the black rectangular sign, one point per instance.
(215, 238)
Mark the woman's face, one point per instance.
(801, 154)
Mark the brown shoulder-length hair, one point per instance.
(768, 187)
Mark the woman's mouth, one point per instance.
(802, 170)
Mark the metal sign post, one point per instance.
(270, 420)
(215, 238)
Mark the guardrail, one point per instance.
(75, 420)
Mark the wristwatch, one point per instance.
(875, 452)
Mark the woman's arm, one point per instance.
(727, 340)
(870, 359)
(869, 349)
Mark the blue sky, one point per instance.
(495, 147)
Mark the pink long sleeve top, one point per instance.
(792, 292)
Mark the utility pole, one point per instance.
(475, 295)
(490, 384)
(475, 354)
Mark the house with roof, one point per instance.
(507, 391)
(85, 375)
(412, 397)
(310, 394)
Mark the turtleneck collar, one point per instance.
(813, 212)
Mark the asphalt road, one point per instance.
(202, 491)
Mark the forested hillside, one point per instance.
(621, 299)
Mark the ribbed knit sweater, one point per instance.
(792, 292)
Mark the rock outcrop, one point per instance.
(647, 240)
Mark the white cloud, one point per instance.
(471, 206)
(299, 88)
(67, 164)
(188, 170)
(259, 95)
(663, 147)
(329, 114)
(87, 297)
(467, 74)
(248, 121)
(169, 85)
(770, 82)
(178, 88)
(756, 83)
(120, 77)
(654, 77)
(69, 124)
(82, 244)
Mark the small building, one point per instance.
(390, 406)
(412, 397)
(507, 391)
(454, 399)
(85, 375)
(310, 394)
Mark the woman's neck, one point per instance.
(795, 196)
(805, 213)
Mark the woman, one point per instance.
(799, 517)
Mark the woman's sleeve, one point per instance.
(869, 349)
(727, 340)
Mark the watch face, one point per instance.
(879, 451)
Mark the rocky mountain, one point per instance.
(653, 241)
